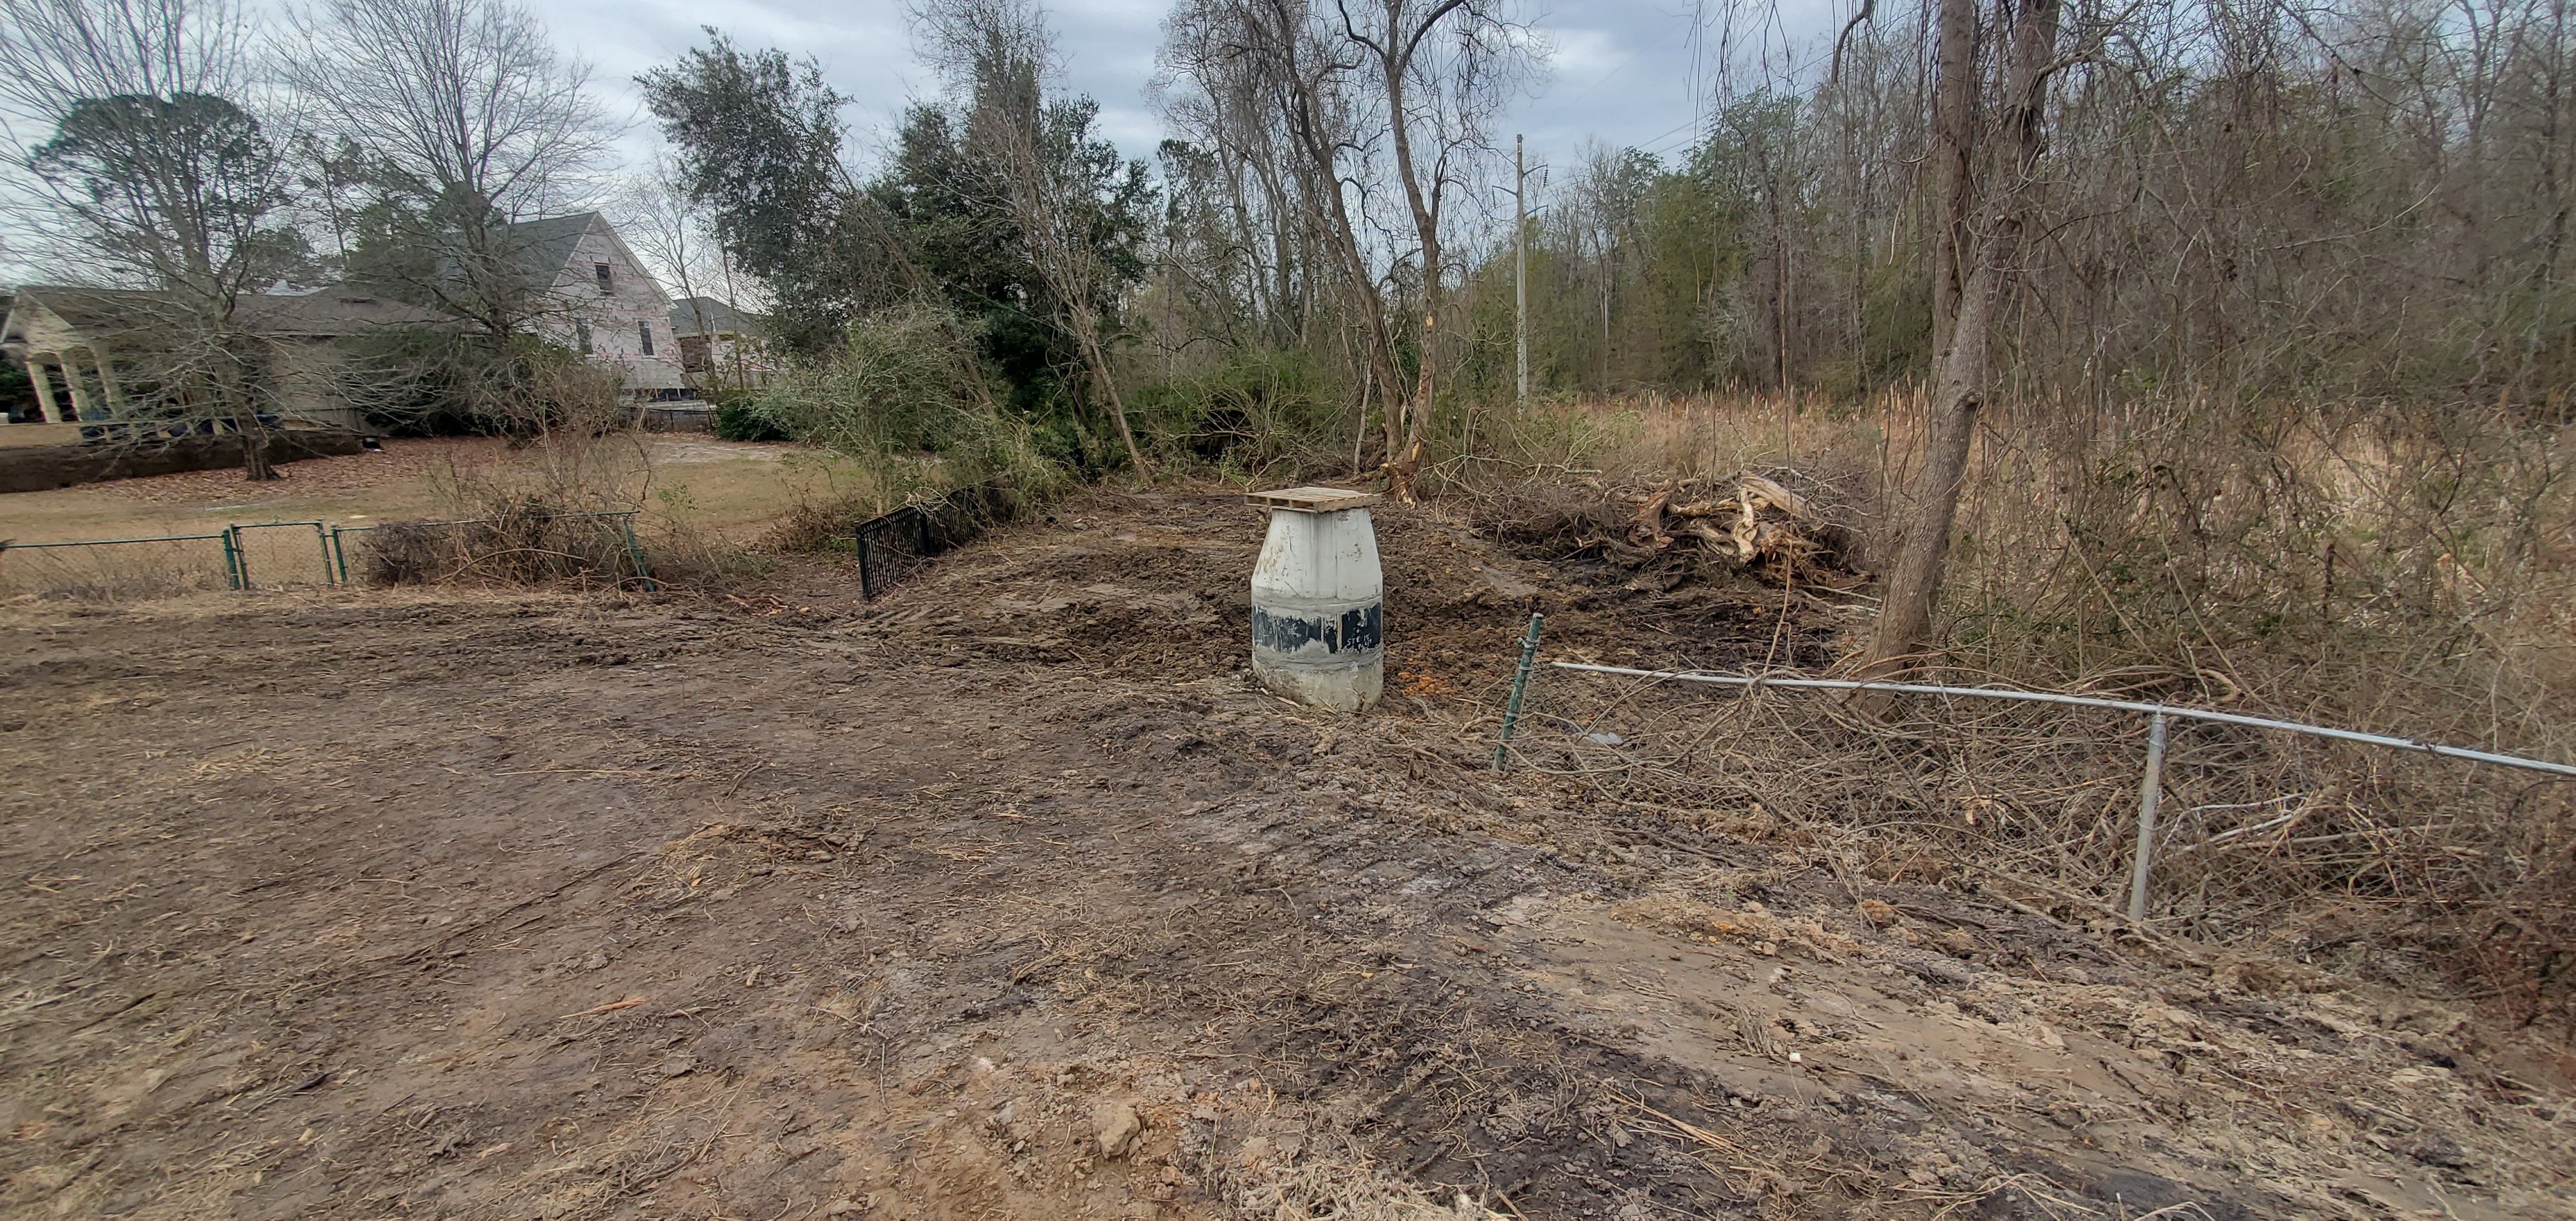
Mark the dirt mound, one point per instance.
(1160, 580)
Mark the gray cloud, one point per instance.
(1624, 73)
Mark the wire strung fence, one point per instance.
(119, 569)
(523, 548)
(2379, 850)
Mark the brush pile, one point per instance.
(526, 543)
(1744, 520)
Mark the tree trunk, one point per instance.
(1117, 406)
(1404, 467)
(254, 448)
(1914, 584)
(1954, 104)
(1913, 587)
(1395, 59)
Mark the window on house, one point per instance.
(601, 270)
(581, 334)
(644, 331)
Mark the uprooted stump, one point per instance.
(1747, 521)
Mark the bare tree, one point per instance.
(167, 181)
(1372, 99)
(2005, 147)
(1441, 69)
(661, 223)
(1273, 73)
(473, 122)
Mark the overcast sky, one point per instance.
(1624, 70)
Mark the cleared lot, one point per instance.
(1006, 896)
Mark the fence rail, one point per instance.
(232, 569)
(2151, 779)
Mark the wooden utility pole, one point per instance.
(1520, 268)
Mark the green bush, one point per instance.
(740, 420)
(905, 396)
(1263, 413)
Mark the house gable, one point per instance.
(620, 316)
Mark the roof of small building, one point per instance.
(336, 309)
(327, 312)
(720, 318)
(89, 308)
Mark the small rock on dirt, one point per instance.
(2439, 1151)
(1116, 1125)
(1939, 969)
(597, 959)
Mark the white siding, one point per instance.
(632, 300)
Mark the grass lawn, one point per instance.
(728, 488)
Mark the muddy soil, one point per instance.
(1008, 896)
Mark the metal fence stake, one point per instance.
(636, 549)
(1512, 707)
(322, 537)
(2151, 789)
(238, 557)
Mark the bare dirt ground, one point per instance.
(1007, 896)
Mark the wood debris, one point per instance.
(1745, 520)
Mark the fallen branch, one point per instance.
(611, 1007)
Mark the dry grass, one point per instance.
(701, 502)
(39, 434)
(734, 489)
(2346, 564)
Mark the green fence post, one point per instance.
(323, 540)
(1512, 708)
(236, 563)
(340, 555)
(636, 549)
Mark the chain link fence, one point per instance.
(518, 549)
(119, 569)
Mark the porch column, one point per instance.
(107, 381)
(82, 407)
(44, 387)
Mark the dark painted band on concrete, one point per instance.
(1286, 632)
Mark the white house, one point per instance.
(84, 347)
(608, 306)
(76, 342)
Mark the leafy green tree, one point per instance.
(757, 138)
(179, 190)
(1038, 292)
